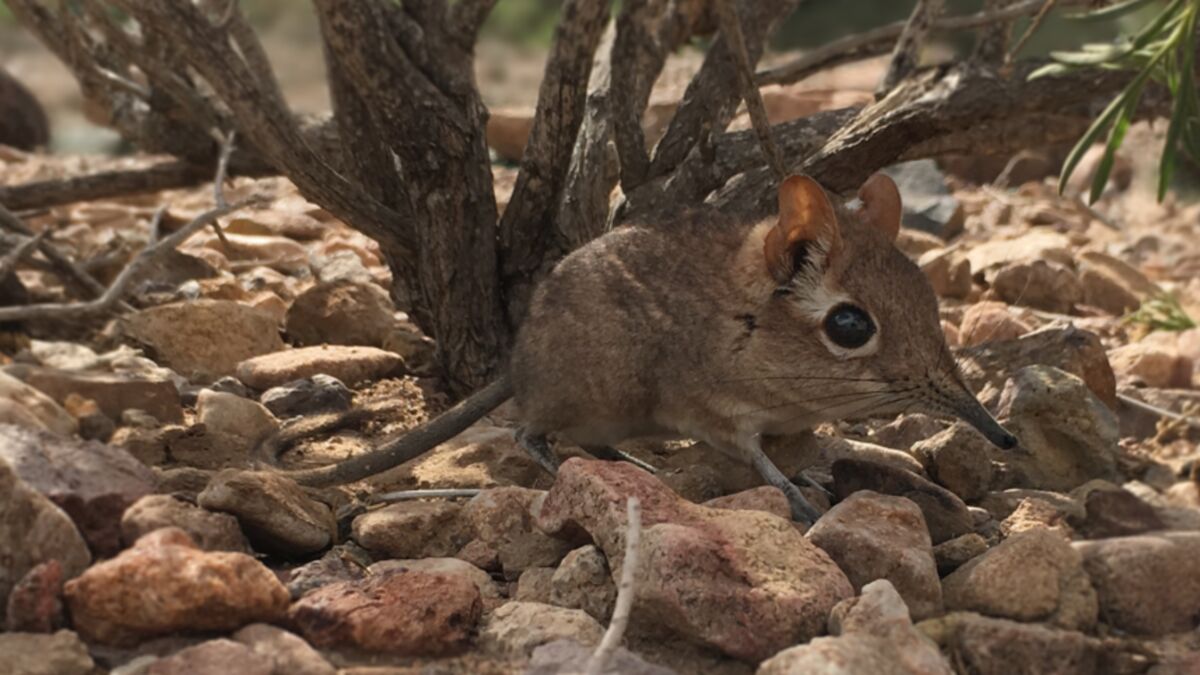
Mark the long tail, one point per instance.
(412, 444)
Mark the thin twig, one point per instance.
(907, 51)
(227, 143)
(879, 41)
(404, 495)
(156, 223)
(1151, 408)
(731, 28)
(1033, 26)
(14, 257)
(626, 591)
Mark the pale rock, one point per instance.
(1040, 284)
(534, 585)
(1033, 513)
(206, 337)
(287, 652)
(948, 272)
(484, 456)
(958, 459)
(988, 646)
(215, 657)
(873, 536)
(907, 430)
(352, 365)
(211, 531)
(235, 422)
(1067, 435)
(1035, 244)
(1031, 576)
(413, 529)
(945, 514)
(114, 393)
(64, 355)
(61, 653)
(583, 581)
(276, 252)
(26, 406)
(275, 513)
(1146, 584)
(341, 313)
(990, 322)
(1113, 284)
(569, 656)
(504, 519)
(517, 628)
(1156, 366)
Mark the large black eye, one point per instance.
(849, 326)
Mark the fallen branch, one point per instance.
(14, 257)
(626, 590)
(731, 28)
(405, 495)
(1162, 412)
(907, 52)
(165, 175)
(879, 41)
(10, 222)
(58, 311)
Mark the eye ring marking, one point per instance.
(848, 326)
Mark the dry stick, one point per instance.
(731, 28)
(625, 592)
(114, 292)
(10, 261)
(219, 182)
(436, 493)
(1033, 26)
(1151, 408)
(164, 175)
(907, 50)
(879, 41)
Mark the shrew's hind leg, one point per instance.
(801, 509)
(614, 455)
(539, 449)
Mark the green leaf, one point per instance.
(1184, 109)
(1096, 55)
(1050, 70)
(1089, 137)
(1116, 136)
(1112, 11)
(1158, 25)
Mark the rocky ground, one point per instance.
(136, 535)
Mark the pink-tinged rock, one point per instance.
(745, 582)
(875, 636)
(990, 322)
(503, 518)
(35, 603)
(215, 657)
(211, 531)
(1031, 576)
(873, 536)
(413, 530)
(402, 612)
(1147, 584)
(164, 584)
(92, 482)
(765, 498)
(1156, 365)
(517, 628)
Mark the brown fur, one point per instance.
(682, 330)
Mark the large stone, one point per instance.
(405, 612)
(215, 657)
(164, 584)
(275, 513)
(413, 530)
(987, 322)
(959, 459)
(93, 482)
(1035, 244)
(1113, 284)
(211, 531)
(987, 646)
(517, 628)
(1068, 436)
(1040, 284)
(948, 272)
(208, 338)
(1147, 584)
(288, 653)
(27, 406)
(583, 581)
(568, 656)
(452, 566)
(874, 635)
(1031, 576)
(745, 582)
(341, 312)
(873, 536)
(34, 531)
(945, 514)
(503, 518)
(114, 393)
(1154, 364)
(61, 653)
(235, 423)
(352, 365)
(35, 603)
(953, 554)
(1070, 349)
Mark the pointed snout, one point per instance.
(971, 411)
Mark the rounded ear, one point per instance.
(807, 226)
(881, 204)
